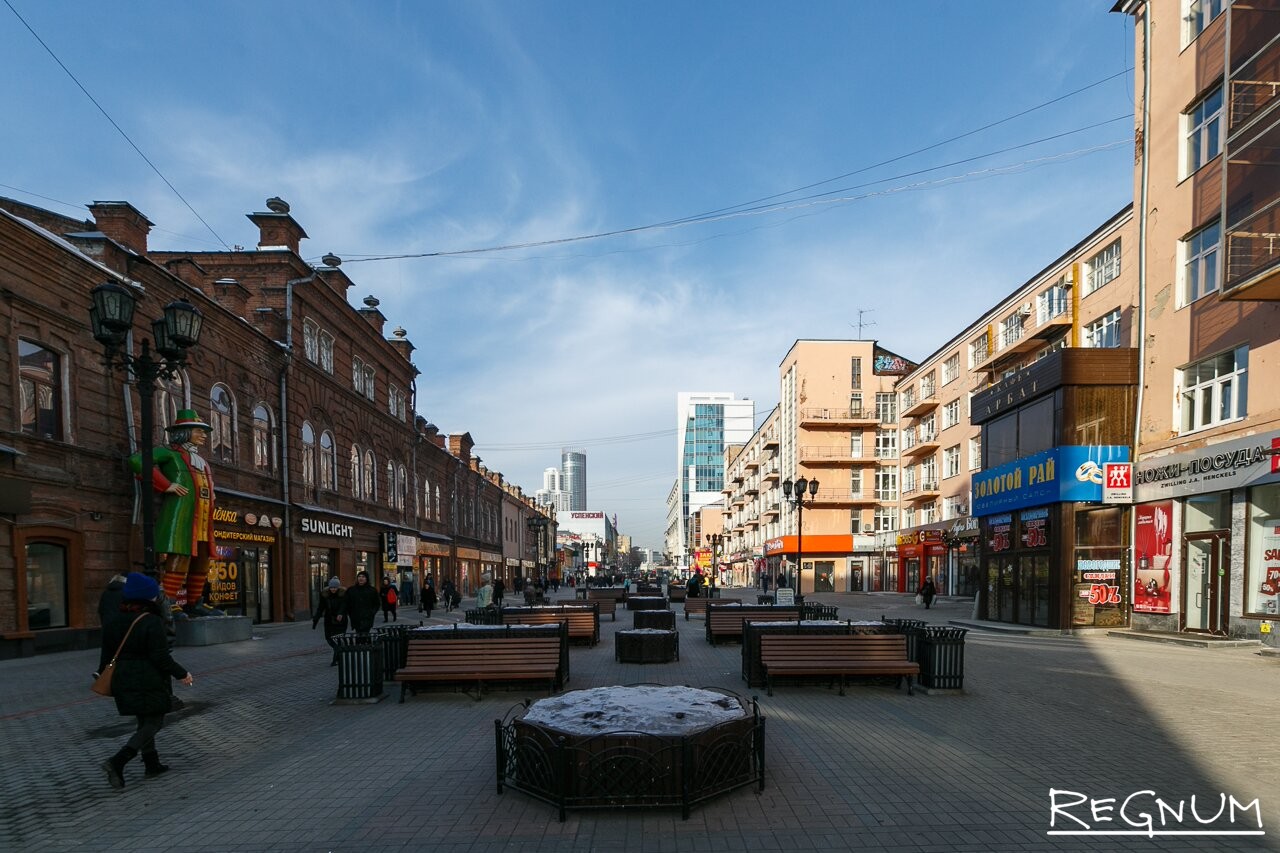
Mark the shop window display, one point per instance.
(1100, 580)
(1262, 573)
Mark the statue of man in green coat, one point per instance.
(184, 523)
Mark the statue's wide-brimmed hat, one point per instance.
(188, 418)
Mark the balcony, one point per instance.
(927, 490)
(915, 407)
(753, 465)
(1053, 316)
(927, 444)
(810, 455)
(1014, 343)
(752, 489)
(771, 476)
(841, 498)
(770, 513)
(752, 523)
(1253, 256)
(837, 418)
(771, 443)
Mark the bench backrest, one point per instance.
(537, 653)
(699, 604)
(614, 593)
(733, 617)
(834, 648)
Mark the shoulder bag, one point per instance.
(102, 684)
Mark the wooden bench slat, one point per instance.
(480, 659)
(864, 654)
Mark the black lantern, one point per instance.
(112, 312)
(801, 487)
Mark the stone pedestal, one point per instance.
(210, 630)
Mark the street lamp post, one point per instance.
(714, 539)
(111, 319)
(798, 501)
(538, 527)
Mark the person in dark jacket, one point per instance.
(390, 599)
(499, 590)
(143, 668)
(927, 592)
(333, 610)
(363, 604)
(449, 595)
(109, 603)
(427, 601)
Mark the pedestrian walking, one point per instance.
(136, 637)
(927, 592)
(499, 590)
(332, 608)
(363, 604)
(109, 603)
(449, 595)
(484, 595)
(427, 602)
(390, 599)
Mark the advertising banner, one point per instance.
(1068, 473)
(1152, 550)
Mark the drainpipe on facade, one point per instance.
(1142, 271)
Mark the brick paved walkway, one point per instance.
(264, 762)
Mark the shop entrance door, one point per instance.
(1205, 583)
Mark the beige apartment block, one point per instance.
(1206, 547)
(750, 508)
(1084, 299)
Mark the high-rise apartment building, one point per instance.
(705, 423)
(552, 493)
(573, 473)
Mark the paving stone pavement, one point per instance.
(262, 760)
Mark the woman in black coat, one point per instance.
(363, 604)
(333, 610)
(142, 672)
(427, 601)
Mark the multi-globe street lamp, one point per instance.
(111, 319)
(797, 500)
(714, 540)
(538, 527)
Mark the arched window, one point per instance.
(426, 498)
(308, 455)
(326, 352)
(171, 395)
(357, 476)
(40, 378)
(328, 462)
(437, 503)
(402, 487)
(391, 484)
(222, 419)
(264, 444)
(311, 340)
(370, 476)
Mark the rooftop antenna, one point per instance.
(862, 322)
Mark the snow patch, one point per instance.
(654, 710)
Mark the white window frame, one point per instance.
(1201, 262)
(1104, 332)
(951, 414)
(979, 349)
(326, 352)
(1197, 15)
(951, 462)
(886, 484)
(951, 369)
(1190, 399)
(1011, 328)
(975, 453)
(1051, 302)
(950, 508)
(1102, 269)
(886, 444)
(1203, 132)
(311, 340)
(929, 472)
(908, 518)
(885, 519)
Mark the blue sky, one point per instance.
(424, 127)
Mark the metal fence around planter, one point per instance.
(820, 612)
(393, 641)
(359, 669)
(942, 656)
(484, 616)
(664, 619)
(629, 768)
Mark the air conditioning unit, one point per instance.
(963, 509)
(1025, 310)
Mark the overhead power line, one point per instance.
(118, 128)
(577, 442)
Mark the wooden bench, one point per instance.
(583, 622)
(480, 660)
(699, 604)
(726, 622)
(836, 656)
(607, 599)
(677, 592)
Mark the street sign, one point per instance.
(1117, 482)
(784, 596)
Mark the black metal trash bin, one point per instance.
(484, 616)
(911, 628)
(393, 642)
(942, 656)
(359, 668)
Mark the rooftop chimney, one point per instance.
(122, 222)
(371, 313)
(277, 229)
(460, 446)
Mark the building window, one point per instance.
(855, 445)
(1011, 329)
(929, 474)
(951, 369)
(369, 385)
(979, 349)
(222, 419)
(1262, 569)
(1103, 332)
(391, 485)
(909, 518)
(1214, 391)
(436, 504)
(929, 385)
(370, 477)
(46, 585)
(950, 508)
(908, 480)
(886, 444)
(886, 484)
(40, 384)
(855, 405)
(929, 513)
(308, 455)
(885, 518)
(855, 521)
(311, 341)
(328, 462)
(1204, 129)
(1051, 302)
(855, 372)
(402, 487)
(1200, 275)
(357, 374)
(951, 462)
(171, 395)
(264, 449)
(1199, 14)
(1102, 268)
(887, 407)
(357, 475)
(855, 483)
(951, 414)
(426, 498)
(975, 453)
(929, 428)
(326, 352)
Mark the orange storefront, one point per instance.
(825, 560)
(920, 553)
